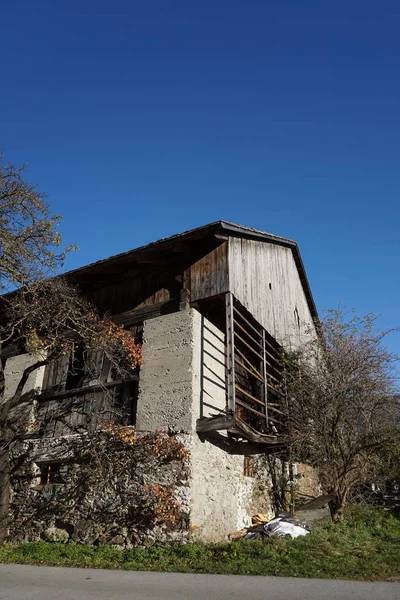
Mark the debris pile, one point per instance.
(284, 525)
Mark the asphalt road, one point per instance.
(22, 582)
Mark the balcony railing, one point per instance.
(255, 404)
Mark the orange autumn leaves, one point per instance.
(96, 334)
(107, 332)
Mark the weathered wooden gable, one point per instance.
(265, 279)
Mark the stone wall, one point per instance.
(223, 499)
(165, 397)
(183, 372)
(107, 492)
(15, 366)
(183, 378)
(109, 509)
(23, 414)
(307, 481)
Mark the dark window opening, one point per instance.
(76, 369)
(137, 332)
(126, 398)
(52, 473)
(248, 466)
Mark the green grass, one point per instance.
(365, 546)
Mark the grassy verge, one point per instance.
(365, 546)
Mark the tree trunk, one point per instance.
(336, 507)
(4, 493)
(4, 467)
(279, 483)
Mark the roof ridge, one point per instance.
(259, 231)
(228, 225)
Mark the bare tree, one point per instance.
(341, 389)
(29, 240)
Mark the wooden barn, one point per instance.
(213, 307)
(251, 285)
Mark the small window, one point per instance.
(248, 466)
(137, 332)
(52, 473)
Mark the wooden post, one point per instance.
(230, 355)
(264, 372)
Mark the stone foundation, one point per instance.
(107, 492)
(224, 499)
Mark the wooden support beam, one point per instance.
(252, 367)
(248, 407)
(184, 299)
(248, 346)
(251, 434)
(240, 389)
(280, 412)
(257, 353)
(137, 315)
(237, 311)
(271, 376)
(257, 342)
(267, 343)
(274, 391)
(238, 428)
(87, 389)
(214, 423)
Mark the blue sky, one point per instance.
(143, 119)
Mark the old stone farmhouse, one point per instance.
(212, 307)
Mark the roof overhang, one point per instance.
(182, 240)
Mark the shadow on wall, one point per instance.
(212, 370)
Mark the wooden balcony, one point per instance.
(255, 405)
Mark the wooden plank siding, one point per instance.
(265, 279)
(208, 276)
(97, 397)
(77, 413)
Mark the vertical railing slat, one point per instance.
(230, 358)
(264, 350)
